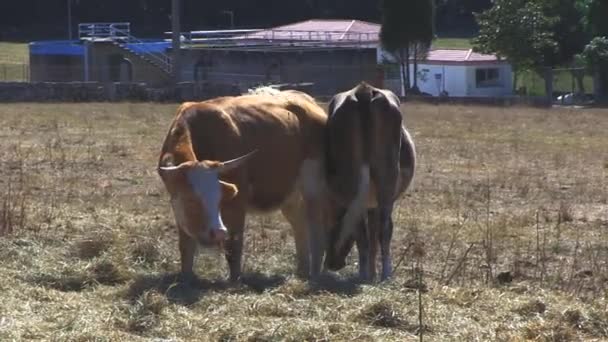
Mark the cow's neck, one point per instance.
(178, 147)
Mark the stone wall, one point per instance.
(191, 91)
(96, 91)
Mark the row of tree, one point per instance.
(47, 19)
(536, 34)
(531, 34)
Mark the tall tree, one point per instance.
(568, 31)
(596, 57)
(423, 33)
(405, 26)
(396, 34)
(596, 52)
(517, 30)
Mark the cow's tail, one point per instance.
(358, 205)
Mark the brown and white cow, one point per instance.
(370, 160)
(224, 157)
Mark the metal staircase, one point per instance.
(119, 34)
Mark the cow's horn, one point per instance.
(234, 163)
(173, 167)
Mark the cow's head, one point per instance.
(196, 193)
(335, 257)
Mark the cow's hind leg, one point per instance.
(373, 234)
(386, 234)
(363, 249)
(312, 187)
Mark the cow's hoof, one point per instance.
(235, 280)
(365, 279)
(187, 278)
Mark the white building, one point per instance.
(459, 73)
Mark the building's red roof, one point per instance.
(329, 30)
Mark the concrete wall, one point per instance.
(105, 66)
(329, 71)
(56, 68)
(456, 80)
(453, 79)
(106, 63)
(504, 86)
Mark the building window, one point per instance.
(488, 77)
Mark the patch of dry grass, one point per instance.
(509, 209)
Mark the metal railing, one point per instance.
(114, 31)
(139, 47)
(278, 37)
(120, 34)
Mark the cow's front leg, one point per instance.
(234, 219)
(187, 248)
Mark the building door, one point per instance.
(126, 70)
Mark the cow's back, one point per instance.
(285, 128)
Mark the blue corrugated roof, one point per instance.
(75, 48)
(57, 47)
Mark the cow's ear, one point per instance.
(229, 191)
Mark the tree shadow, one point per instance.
(189, 291)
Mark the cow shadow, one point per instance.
(349, 285)
(189, 291)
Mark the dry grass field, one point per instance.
(503, 237)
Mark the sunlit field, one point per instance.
(503, 236)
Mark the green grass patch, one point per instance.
(14, 61)
(452, 43)
(13, 53)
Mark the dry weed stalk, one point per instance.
(13, 211)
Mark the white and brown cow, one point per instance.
(370, 160)
(226, 156)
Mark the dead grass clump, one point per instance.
(228, 336)
(548, 331)
(106, 272)
(145, 252)
(144, 313)
(93, 246)
(566, 212)
(272, 307)
(383, 314)
(103, 271)
(596, 323)
(68, 281)
(573, 317)
(531, 308)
